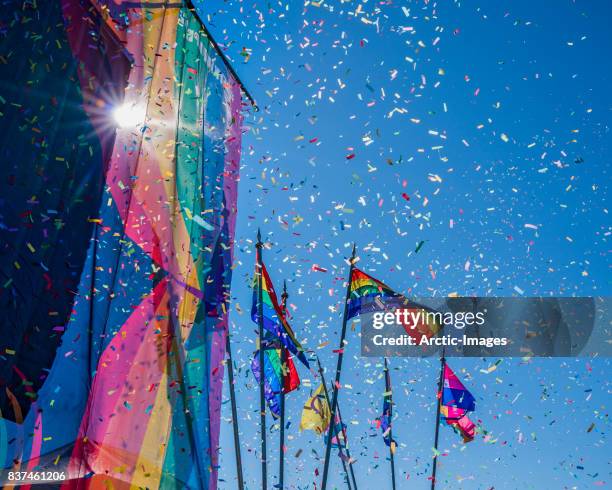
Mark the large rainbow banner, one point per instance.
(117, 228)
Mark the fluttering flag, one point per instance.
(455, 403)
(273, 376)
(384, 421)
(316, 413)
(369, 295)
(275, 323)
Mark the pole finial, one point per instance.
(353, 255)
(259, 243)
(285, 294)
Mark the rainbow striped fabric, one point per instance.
(273, 376)
(368, 295)
(455, 402)
(275, 324)
(131, 396)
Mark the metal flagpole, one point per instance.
(348, 452)
(281, 454)
(230, 372)
(439, 399)
(390, 395)
(338, 370)
(333, 427)
(262, 394)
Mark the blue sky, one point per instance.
(482, 130)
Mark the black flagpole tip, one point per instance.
(353, 255)
(258, 235)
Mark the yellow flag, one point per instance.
(316, 413)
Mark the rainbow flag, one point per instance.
(368, 295)
(273, 376)
(112, 350)
(275, 324)
(455, 402)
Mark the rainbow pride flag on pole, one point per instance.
(273, 376)
(278, 335)
(369, 295)
(275, 324)
(455, 402)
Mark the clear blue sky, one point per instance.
(467, 122)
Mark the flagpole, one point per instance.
(348, 483)
(281, 454)
(348, 452)
(262, 394)
(230, 372)
(388, 390)
(439, 401)
(338, 370)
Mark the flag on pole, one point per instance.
(455, 403)
(368, 295)
(275, 324)
(273, 376)
(316, 413)
(384, 421)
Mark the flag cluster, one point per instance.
(366, 295)
(455, 402)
